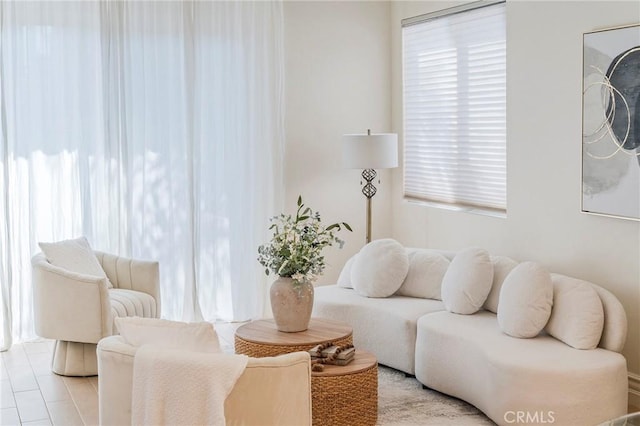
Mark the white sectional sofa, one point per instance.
(536, 380)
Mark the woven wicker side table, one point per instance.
(346, 395)
(261, 338)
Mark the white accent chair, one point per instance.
(78, 310)
(270, 391)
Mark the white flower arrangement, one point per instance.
(295, 249)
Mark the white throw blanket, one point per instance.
(172, 387)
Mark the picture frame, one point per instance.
(611, 122)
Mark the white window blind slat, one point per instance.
(454, 76)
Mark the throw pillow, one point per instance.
(380, 268)
(344, 280)
(526, 298)
(195, 337)
(74, 255)
(467, 282)
(424, 279)
(501, 268)
(577, 317)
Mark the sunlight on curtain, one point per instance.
(51, 127)
(153, 128)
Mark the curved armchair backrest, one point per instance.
(132, 274)
(273, 390)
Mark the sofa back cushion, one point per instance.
(526, 298)
(501, 267)
(380, 268)
(577, 317)
(614, 332)
(426, 270)
(344, 279)
(467, 282)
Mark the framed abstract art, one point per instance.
(611, 122)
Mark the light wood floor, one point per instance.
(30, 394)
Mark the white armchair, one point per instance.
(270, 391)
(78, 310)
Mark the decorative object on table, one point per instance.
(370, 152)
(610, 125)
(329, 353)
(295, 255)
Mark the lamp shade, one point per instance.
(370, 151)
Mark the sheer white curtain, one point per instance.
(153, 128)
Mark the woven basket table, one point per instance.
(346, 395)
(261, 338)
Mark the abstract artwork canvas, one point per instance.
(611, 122)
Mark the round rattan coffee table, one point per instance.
(346, 395)
(341, 395)
(261, 338)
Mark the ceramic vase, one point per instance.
(291, 304)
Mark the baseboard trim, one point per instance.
(634, 390)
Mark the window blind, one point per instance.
(454, 74)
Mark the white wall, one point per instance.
(544, 107)
(337, 81)
(343, 71)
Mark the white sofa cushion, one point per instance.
(577, 317)
(424, 279)
(74, 255)
(344, 280)
(614, 332)
(467, 282)
(526, 298)
(196, 337)
(380, 268)
(501, 267)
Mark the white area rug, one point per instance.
(402, 401)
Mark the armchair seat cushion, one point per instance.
(131, 303)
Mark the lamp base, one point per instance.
(369, 190)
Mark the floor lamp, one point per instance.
(370, 152)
